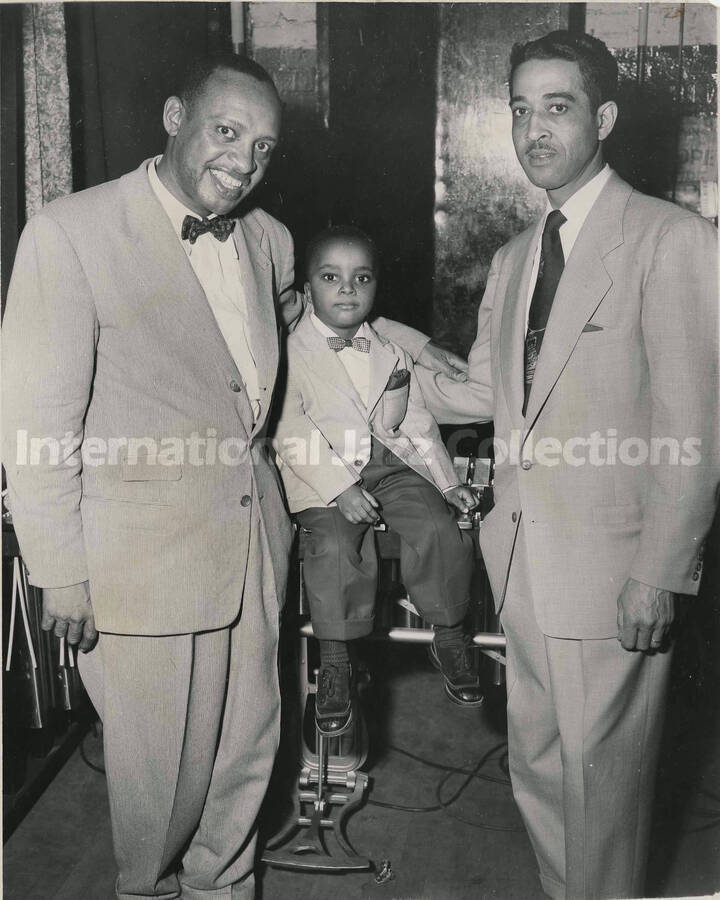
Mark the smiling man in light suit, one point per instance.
(597, 357)
(141, 343)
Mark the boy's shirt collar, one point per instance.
(363, 331)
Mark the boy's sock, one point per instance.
(334, 653)
(333, 706)
(447, 635)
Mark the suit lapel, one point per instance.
(324, 361)
(256, 269)
(382, 364)
(162, 264)
(582, 287)
(512, 327)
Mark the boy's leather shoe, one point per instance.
(333, 709)
(455, 662)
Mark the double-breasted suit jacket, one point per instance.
(614, 467)
(110, 333)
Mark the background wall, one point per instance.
(288, 39)
(665, 141)
(359, 84)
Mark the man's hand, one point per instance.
(644, 615)
(68, 612)
(291, 307)
(357, 505)
(443, 361)
(463, 497)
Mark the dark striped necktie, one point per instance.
(552, 263)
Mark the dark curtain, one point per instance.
(124, 60)
(11, 139)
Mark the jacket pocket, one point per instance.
(394, 407)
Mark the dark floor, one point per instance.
(63, 847)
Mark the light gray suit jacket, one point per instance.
(324, 429)
(630, 355)
(109, 338)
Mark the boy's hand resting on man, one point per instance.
(357, 505)
(463, 497)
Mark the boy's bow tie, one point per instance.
(359, 343)
(221, 227)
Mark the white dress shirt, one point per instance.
(357, 363)
(575, 209)
(217, 269)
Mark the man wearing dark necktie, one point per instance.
(597, 358)
(552, 263)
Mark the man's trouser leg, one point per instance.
(191, 727)
(584, 724)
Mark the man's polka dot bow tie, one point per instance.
(220, 227)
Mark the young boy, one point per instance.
(356, 443)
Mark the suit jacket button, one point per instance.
(234, 386)
(526, 464)
(696, 576)
(245, 500)
(514, 517)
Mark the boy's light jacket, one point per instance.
(324, 429)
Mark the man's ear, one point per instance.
(173, 115)
(606, 117)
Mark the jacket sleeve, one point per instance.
(290, 303)
(422, 431)
(679, 324)
(461, 402)
(410, 339)
(49, 337)
(303, 448)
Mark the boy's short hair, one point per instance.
(598, 67)
(202, 68)
(342, 233)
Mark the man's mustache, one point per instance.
(541, 147)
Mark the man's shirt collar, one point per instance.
(576, 208)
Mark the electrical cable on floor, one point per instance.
(474, 773)
(443, 805)
(445, 768)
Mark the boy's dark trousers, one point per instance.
(340, 564)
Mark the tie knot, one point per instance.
(339, 343)
(554, 222)
(221, 227)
